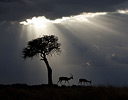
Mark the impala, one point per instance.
(84, 81)
(66, 79)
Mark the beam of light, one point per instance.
(43, 25)
(95, 35)
(84, 21)
(38, 26)
(123, 11)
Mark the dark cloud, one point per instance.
(89, 50)
(120, 60)
(22, 9)
(11, 1)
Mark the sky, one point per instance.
(93, 37)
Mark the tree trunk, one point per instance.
(49, 71)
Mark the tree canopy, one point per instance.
(46, 45)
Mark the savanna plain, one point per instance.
(45, 92)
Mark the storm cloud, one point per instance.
(95, 48)
(15, 10)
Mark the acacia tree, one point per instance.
(43, 46)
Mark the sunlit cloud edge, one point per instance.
(41, 21)
(122, 11)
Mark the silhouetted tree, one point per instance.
(43, 46)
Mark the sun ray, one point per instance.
(101, 33)
(41, 25)
(86, 22)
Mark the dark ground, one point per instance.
(44, 92)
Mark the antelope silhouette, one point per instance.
(66, 79)
(84, 81)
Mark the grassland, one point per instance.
(44, 92)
